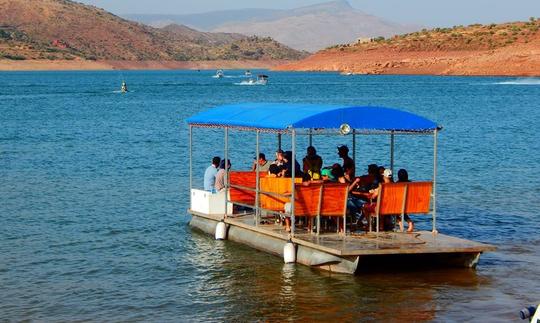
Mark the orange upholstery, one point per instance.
(392, 196)
(334, 199)
(277, 185)
(334, 202)
(246, 179)
(417, 197)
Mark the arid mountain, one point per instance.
(503, 49)
(308, 28)
(62, 29)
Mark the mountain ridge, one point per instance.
(63, 29)
(308, 28)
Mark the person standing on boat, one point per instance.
(210, 175)
(220, 176)
(264, 164)
(348, 163)
(312, 164)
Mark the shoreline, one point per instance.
(436, 65)
(109, 65)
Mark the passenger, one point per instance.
(275, 171)
(403, 177)
(326, 174)
(348, 163)
(210, 175)
(361, 185)
(312, 164)
(287, 158)
(264, 165)
(369, 208)
(279, 158)
(220, 176)
(338, 174)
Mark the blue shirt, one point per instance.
(210, 178)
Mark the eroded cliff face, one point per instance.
(506, 49)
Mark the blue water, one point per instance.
(93, 193)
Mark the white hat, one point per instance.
(387, 173)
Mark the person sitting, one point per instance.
(348, 163)
(361, 185)
(326, 174)
(210, 175)
(264, 165)
(312, 164)
(279, 161)
(403, 177)
(288, 165)
(220, 176)
(338, 174)
(275, 171)
(370, 207)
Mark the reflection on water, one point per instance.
(93, 193)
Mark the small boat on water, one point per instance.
(219, 74)
(261, 80)
(322, 234)
(346, 73)
(124, 88)
(247, 73)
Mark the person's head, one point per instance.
(262, 158)
(381, 170)
(402, 175)
(337, 171)
(215, 161)
(287, 156)
(222, 164)
(343, 150)
(274, 169)
(373, 169)
(326, 174)
(279, 154)
(311, 151)
(387, 176)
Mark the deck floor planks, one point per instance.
(357, 244)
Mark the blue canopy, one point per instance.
(285, 116)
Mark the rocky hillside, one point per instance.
(496, 49)
(307, 28)
(63, 29)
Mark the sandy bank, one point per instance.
(62, 65)
(523, 60)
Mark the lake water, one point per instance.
(94, 192)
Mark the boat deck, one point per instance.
(361, 244)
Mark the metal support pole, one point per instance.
(293, 175)
(279, 140)
(257, 176)
(354, 146)
(310, 138)
(392, 152)
(190, 159)
(226, 155)
(434, 230)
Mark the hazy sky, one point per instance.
(424, 12)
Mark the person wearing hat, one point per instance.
(369, 208)
(348, 163)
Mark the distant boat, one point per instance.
(346, 73)
(124, 88)
(219, 74)
(247, 73)
(261, 80)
